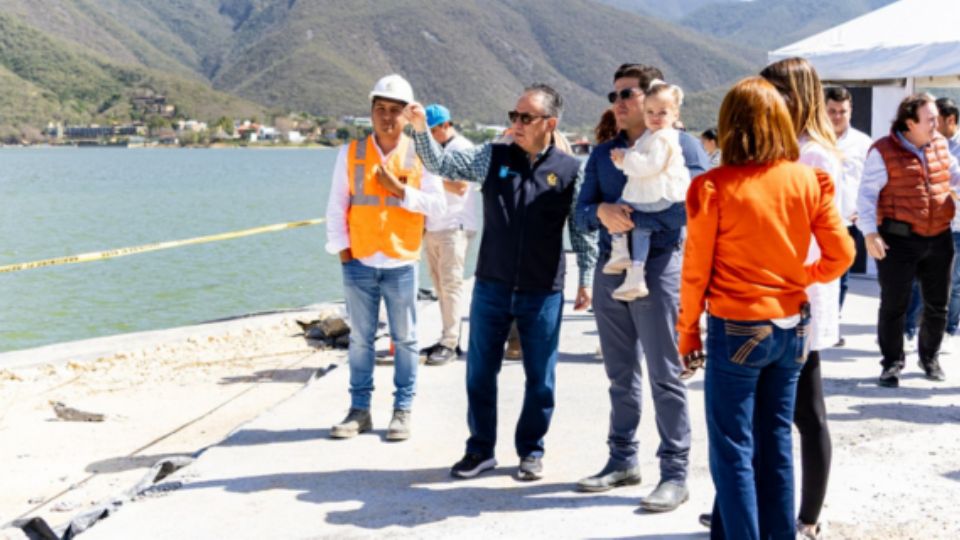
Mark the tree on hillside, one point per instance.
(224, 123)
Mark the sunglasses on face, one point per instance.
(626, 93)
(524, 118)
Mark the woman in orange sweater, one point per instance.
(749, 230)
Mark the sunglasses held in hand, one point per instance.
(691, 363)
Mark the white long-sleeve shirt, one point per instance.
(824, 308)
(655, 169)
(463, 211)
(854, 144)
(429, 199)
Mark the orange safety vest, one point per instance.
(375, 219)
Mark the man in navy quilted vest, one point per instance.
(529, 188)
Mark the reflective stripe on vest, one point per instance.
(376, 220)
(359, 198)
(359, 173)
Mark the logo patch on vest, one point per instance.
(504, 171)
(552, 179)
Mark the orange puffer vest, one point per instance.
(918, 196)
(375, 219)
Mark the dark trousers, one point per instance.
(537, 314)
(845, 278)
(810, 417)
(930, 261)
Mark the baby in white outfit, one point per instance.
(657, 182)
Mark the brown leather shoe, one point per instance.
(513, 352)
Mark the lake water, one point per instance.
(64, 201)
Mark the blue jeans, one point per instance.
(493, 308)
(953, 308)
(750, 391)
(639, 244)
(363, 287)
(912, 319)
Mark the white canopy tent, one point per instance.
(892, 49)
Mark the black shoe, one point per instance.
(840, 342)
(472, 465)
(531, 468)
(427, 351)
(427, 294)
(932, 370)
(890, 377)
(440, 356)
(706, 520)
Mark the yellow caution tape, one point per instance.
(122, 252)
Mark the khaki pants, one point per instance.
(446, 257)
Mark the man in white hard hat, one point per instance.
(379, 196)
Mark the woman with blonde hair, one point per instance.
(751, 222)
(800, 87)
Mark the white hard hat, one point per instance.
(393, 87)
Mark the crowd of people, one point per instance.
(748, 231)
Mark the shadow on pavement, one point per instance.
(410, 498)
(866, 387)
(123, 463)
(903, 412)
(298, 375)
(675, 536)
(251, 437)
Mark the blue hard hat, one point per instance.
(437, 114)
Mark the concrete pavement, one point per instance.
(896, 465)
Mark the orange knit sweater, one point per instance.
(748, 233)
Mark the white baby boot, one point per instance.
(634, 285)
(619, 256)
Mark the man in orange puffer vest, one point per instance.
(905, 208)
(379, 196)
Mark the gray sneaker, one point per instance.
(530, 469)
(357, 421)
(399, 428)
(610, 478)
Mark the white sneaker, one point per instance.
(634, 285)
(619, 256)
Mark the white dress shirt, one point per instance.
(463, 211)
(854, 144)
(427, 200)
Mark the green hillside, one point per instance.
(769, 24)
(46, 79)
(670, 11)
(475, 55)
(80, 60)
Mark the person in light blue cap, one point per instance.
(437, 115)
(447, 238)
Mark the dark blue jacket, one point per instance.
(603, 183)
(525, 207)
